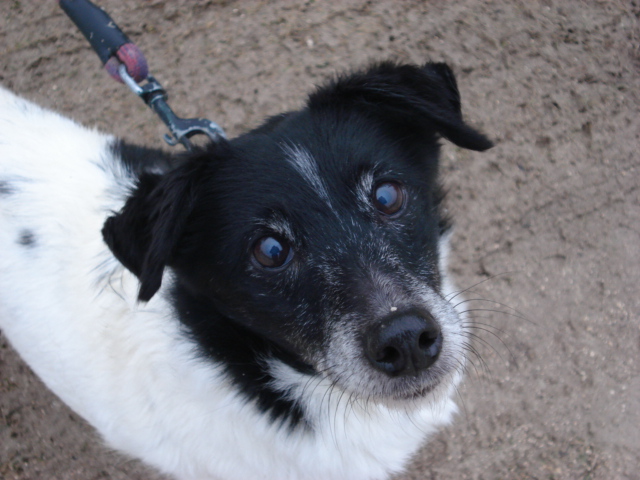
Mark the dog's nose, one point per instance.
(404, 345)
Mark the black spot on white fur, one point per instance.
(5, 188)
(27, 238)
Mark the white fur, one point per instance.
(70, 310)
(305, 164)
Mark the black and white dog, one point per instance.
(272, 307)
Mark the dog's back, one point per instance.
(55, 193)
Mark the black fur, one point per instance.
(241, 351)
(141, 160)
(203, 217)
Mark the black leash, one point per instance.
(124, 61)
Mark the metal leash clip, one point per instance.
(124, 61)
(181, 129)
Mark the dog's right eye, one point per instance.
(272, 252)
(389, 198)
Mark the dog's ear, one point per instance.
(409, 96)
(144, 235)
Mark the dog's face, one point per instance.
(318, 235)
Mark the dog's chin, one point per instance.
(398, 391)
(403, 394)
(416, 393)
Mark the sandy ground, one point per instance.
(549, 219)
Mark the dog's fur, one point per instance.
(129, 281)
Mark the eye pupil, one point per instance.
(275, 251)
(271, 252)
(389, 198)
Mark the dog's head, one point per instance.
(318, 236)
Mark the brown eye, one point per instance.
(388, 198)
(272, 252)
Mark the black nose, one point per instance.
(404, 344)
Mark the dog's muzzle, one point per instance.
(404, 345)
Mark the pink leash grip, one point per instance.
(134, 61)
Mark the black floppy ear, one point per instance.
(144, 235)
(410, 96)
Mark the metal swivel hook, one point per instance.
(154, 95)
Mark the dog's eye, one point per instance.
(388, 198)
(272, 252)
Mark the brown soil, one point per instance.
(549, 219)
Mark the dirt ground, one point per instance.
(548, 220)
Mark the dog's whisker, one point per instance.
(462, 402)
(510, 310)
(479, 299)
(495, 350)
(476, 354)
(502, 312)
(473, 324)
(492, 277)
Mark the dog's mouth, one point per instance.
(393, 392)
(407, 390)
(419, 393)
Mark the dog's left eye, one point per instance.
(389, 198)
(272, 252)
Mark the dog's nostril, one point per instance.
(430, 342)
(404, 345)
(388, 355)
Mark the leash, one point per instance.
(124, 61)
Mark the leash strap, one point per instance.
(124, 61)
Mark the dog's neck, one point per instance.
(242, 353)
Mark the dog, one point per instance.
(274, 306)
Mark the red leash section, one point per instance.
(109, 42)
(124, 61)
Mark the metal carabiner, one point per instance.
(155, 96)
